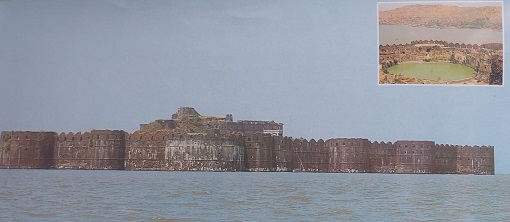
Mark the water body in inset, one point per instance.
(433, 70)
(401, 34)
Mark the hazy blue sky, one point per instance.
(82, 65)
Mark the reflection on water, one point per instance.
(69, 195)
(399, 34)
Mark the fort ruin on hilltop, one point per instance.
(192, 142)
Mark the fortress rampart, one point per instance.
(160, 150)
(485, 59)
(175, 150)
(98, 149)
(492, 46)
(27, 149)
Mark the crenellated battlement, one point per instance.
(486, 60)
(440, 43)
(97, 149)
(25, 135)
(25, 149)
(235, 151)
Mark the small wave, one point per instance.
(174, 195)
(165, 219)
(66, 185)
(40, 214)
(342, 211)
(304, 199)
(338, 192)
(200, 192)
(36, 198)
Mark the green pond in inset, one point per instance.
(433, 70)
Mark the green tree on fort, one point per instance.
(7, 146)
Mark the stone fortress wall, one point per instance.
(485, 59)
(177, 150)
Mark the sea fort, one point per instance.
(193, 142)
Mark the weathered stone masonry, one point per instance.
(486, 59)
(256, 150)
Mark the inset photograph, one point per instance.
(448, 43)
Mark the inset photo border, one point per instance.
(440, 43)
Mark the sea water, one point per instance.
(91, 195)
(401, 34)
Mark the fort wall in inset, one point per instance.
(486, 60)
(492, 46)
